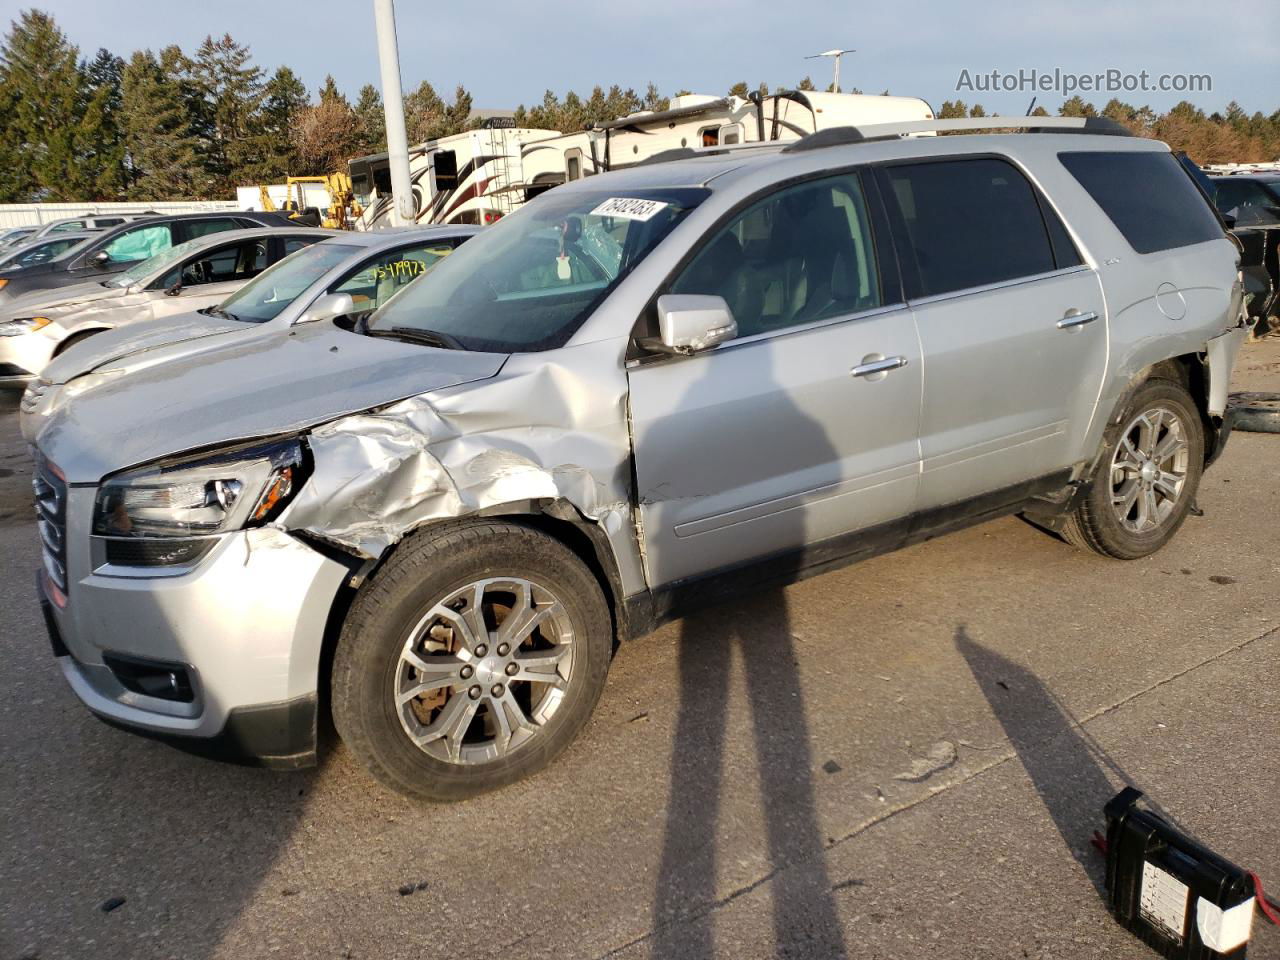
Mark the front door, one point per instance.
(803, 428)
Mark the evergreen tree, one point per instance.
(284, 100)
(104, 158)
(163, 155)
(230, 88)
(46, 94)
(371, 121)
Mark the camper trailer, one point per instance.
(465, 178)
(479, 176)
(703, 122)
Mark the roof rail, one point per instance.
(719, 150)
(836, 136)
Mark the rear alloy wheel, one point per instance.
(472, 658)
(1147, 479)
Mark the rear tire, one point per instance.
(1147, 477)
(442, 706)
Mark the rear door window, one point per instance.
(969, 223)
(69, 225)
(140, 243)
(1148, 196)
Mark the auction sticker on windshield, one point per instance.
(629, 208)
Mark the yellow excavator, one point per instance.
(343, 212)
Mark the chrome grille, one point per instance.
(51, 520)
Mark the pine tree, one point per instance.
(284, 100)
(45, 117)
(104, 159)
(231, 90)
(371, 121)
(162, 154)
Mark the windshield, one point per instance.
(144, 268)
(42, 251)
(528, 282)
(265, 296)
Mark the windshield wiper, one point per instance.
(429, 338)
(217, 312)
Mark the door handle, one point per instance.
(1074, 318)
(870, 367)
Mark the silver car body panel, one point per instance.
(754, 448)
(148, 343)
(97, 305)
(231, 391)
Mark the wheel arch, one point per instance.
(557, 518)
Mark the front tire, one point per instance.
(471, 659)
(1147, 477)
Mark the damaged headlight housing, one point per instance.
(16, 328)
(170, 513)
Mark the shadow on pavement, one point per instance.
(1068, 770)
(805, 922)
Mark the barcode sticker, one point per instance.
(1163, 902)
(629, 208)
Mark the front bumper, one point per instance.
(23, 357)
(246, 625)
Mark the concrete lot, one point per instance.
(902, 759)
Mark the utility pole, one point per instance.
(402, 205)
(835, 55)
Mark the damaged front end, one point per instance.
(539, 438)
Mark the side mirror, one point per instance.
(175, 290)
(327, 307)
(1230, 220)
(689, 323)
(101, 258)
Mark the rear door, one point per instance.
(796, 432)
(1012, 325)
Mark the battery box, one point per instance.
(1181, 899)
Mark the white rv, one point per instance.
(702, 122)
(479, 176)
(465, 178)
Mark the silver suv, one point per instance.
(642, 391)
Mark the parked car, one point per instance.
(14, 235)
(1252, 205)
(25, 255)
(118, 248)
(1249, 199)
(88, 222)
(644, 390)
(198, 273)
(310, 285)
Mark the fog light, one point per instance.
(151, 678)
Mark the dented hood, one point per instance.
(244, 387)
(138, 344)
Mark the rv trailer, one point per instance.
(479, 176)
(465, 178)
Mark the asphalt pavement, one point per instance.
(905, 758)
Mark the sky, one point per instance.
(508, 53)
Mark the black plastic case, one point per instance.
(1144, 850)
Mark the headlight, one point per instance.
(16, 328)
(197, 497)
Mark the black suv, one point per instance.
(119, 247)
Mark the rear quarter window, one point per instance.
(1148, 196)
